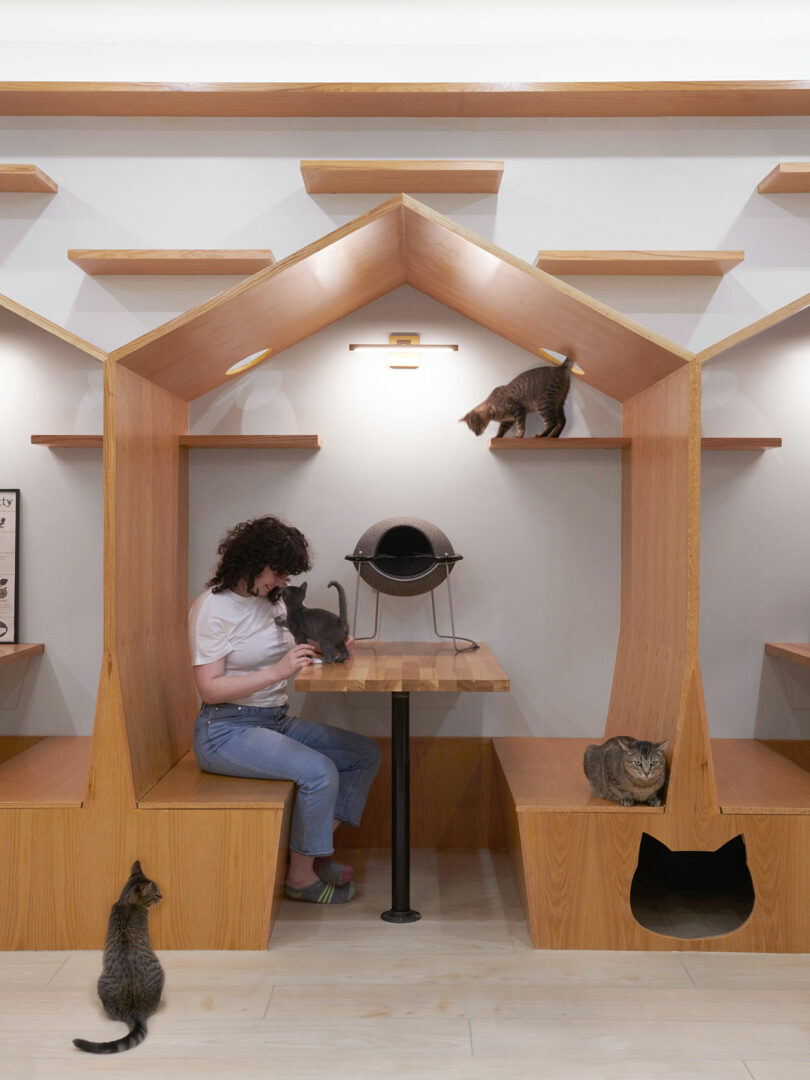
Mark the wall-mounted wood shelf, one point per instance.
(574, 443)
(799, 653)
(720, 98)
(10, 654)
(710, 443)
(26, 178)
(789, 177)
(222, 442)
(705, 263)
(179, 261)
(331, 177)
(70, 442)
(246, 442)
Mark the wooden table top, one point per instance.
(405, 666)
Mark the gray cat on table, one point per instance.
(328, 630)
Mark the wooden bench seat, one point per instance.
(753, 778)
(187, 787)
(547, 774)
(52, 772)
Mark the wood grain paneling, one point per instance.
(381, 176)
(146, 553)
(532, 309)
(673, 98)
(275, 308)
(454, 798)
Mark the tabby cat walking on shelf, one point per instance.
(542, 390)
(627, 770)
(131, 978)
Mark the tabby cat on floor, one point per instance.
(131, 977)
(627, 770)
(542, 390)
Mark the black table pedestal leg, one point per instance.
(401, 911)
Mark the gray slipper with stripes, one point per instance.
(321, 892)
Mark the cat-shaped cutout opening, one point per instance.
(692, 894)
(328, 630)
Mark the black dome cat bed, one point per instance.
(406, 556)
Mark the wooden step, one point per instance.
(705, 263)
(26, 178)
(752, 778)
(547, 774)
(331, 177)
(52, 773)
(798, 654)
(179, 261)
(10, 654)
(789, 177)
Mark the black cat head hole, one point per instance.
(691, 894)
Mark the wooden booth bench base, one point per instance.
(216, 846)
(574, 857)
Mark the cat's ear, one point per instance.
(625, 742)
(661, 745)
(303, 588)
(136, 868)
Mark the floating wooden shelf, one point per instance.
(243, 442)
(705, 263)
(153, 261)
(26, 178)
(10, 654)
(789, 177)
(723, 98)
(572, 443)
(799, 654)
(738, 444)
(329, 177)
(67, 441)
(223, 442)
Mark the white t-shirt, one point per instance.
(241, 630)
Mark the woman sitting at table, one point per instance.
(242, 660)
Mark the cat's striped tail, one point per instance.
(136, 1036)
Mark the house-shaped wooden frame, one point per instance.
(216, 844)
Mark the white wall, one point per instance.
(755, 542)
(48, 388)
(394, 446)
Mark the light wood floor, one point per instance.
(461, 994)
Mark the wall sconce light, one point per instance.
(404, 348)
(248, 362)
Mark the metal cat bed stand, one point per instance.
(404, 557)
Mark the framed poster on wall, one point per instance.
(9, 564)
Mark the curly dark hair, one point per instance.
(251, 547)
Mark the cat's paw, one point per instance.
(654, 801)
(626, 801)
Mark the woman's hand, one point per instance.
(298, 657)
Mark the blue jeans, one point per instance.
(333, 768)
